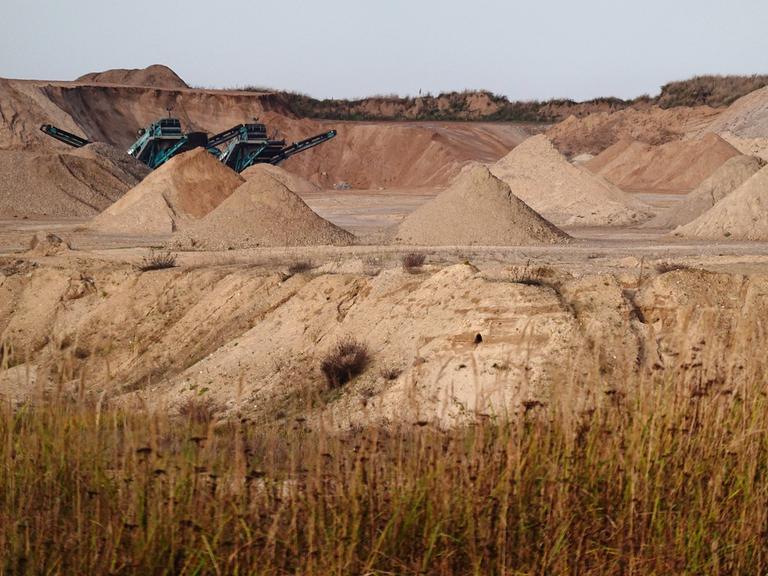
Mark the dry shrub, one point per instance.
(391, 373)
(349, 358)
(413, 261)
(300, 266)
(199, 410)
(535, 275)
(666, 266)
(158, 260)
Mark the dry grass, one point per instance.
(199, 410)
(299, 267)
(349, 358)
(413, 262)
(665, 266)
(157, 260)
(664, 480)
(664, 472)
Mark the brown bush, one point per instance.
(300, 266)
(349, 358)
(158, 260)
(413, 261)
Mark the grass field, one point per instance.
(669, 478)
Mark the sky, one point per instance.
(538, 49)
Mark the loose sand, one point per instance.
(293, 182)
(79, 182)
(745, 118)
(725, 180)
(182, 190)
(262, 212)
(673, 167)
(566, 195)
(653, 125)
(477, 209)
(742, 215)
(156, 76)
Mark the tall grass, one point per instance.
(666, 478)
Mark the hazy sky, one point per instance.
(347, 48)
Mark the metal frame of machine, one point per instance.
(249, 144)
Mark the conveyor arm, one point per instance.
(226, 136)
(301, 146)
(63, 136)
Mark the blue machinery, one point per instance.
(248, 144)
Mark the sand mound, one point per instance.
(725, 180)
(581, 159)
(46, 244)
(652, 125)
(80, 182)
(477, 208)
(293, 182)
(673, 167)
(262, 212)
(745, 118)
(156, 76)
(750, 146)
(564, 194)
(182, 190)
(742, 215)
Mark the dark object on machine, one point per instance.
(249, 144)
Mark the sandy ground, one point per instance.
(369, 213)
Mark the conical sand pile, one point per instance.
(478, 209)
(293, 182)
(262, 212)
(565, 194)
(728, 178)
(182, 190)
(678, 166)
(79, 182)
(742, 215)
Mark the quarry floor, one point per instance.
(368, 214)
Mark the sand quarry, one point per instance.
(571, 249)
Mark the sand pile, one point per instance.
(80, 182)
(156, 75)
(293, 182)
(262, 212)
(673, 167)
(745, 118)
(182, 190)
(477, 208)
(749, 146)
(725, 180)
(652, 125)
(742, 215)
(566, 195)
(47, 244)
